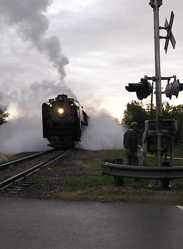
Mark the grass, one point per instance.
(88, 181)
(101, 187)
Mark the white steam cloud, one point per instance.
(22, 135)
(103, 132)
(28, 20)
(31, 25)
(25, 132)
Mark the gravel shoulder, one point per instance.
(48, 182)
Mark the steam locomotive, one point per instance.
(63, 121)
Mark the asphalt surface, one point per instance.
(52, 224)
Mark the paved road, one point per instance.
(48, 224)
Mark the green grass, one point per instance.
(101, 187)
(117, 154)
(96, 166)
(111, 154)
(88, 181)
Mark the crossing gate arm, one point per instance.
(142, 172)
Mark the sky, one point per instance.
(88, 49)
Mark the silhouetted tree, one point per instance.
(3, 116)
(136, 112)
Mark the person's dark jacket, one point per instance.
(130, 140)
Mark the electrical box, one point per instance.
(152, 141)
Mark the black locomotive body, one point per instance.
(63, 121)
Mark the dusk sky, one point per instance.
(96, 46)
(90, 49)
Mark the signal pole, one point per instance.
(159, 115)
(155, 138)
(144, 88)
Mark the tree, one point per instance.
(3, 116)
(136, 112)
(174, 112)
(177, 114)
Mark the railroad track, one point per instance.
(23, 159)
(38, 160)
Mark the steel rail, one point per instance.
(17, 177)
(20, 160)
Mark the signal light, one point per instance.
(173, 89)
(168, 90)
(142, 89)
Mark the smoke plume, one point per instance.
(103, 132)
(31, 25)
(24, 131)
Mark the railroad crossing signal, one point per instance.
(142, 89)
(173, 89)
(168, 28)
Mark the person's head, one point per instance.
(134, 126)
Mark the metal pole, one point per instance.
(152, 101)
(158, 82)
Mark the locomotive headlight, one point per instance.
(60, 111)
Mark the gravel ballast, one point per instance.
(50, 180)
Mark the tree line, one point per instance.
(135, 111)
(3, 116)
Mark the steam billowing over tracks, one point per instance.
(13, 172)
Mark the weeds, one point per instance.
(101, 188)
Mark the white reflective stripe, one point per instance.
(181, 207)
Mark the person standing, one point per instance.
(130, 142)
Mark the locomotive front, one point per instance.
(61, 121)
